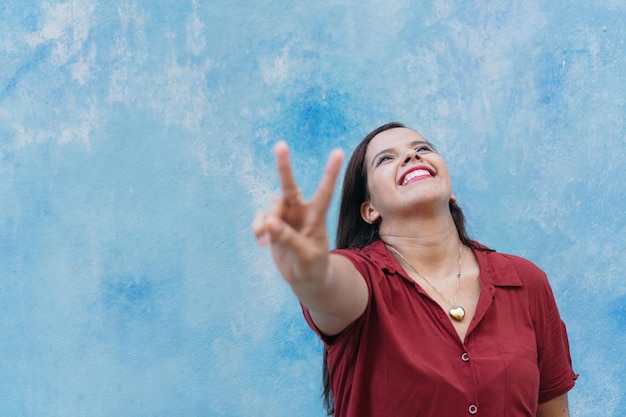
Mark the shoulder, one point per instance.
(373, 261)
(374, 254)
(524, 278)
(515, 272)
(522, 265)
(511, 270)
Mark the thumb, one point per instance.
(278, 231)
(282, 234)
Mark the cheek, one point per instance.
(379, 182)
(380, 195)
(443, 170)
(448, 180)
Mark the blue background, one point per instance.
(135, 148)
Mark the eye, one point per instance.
(383, 159)
(424, 148)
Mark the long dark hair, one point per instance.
(354, 232)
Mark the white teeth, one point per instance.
(413, 174)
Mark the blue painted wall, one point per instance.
(135, 147)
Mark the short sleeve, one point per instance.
(554, 360)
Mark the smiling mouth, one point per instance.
(415, 175)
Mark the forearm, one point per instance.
(335, 299)
(557, 407)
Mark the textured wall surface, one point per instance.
(135, 147)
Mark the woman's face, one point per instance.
(404, 172)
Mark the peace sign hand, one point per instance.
(295, 229)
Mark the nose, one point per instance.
(411, 154)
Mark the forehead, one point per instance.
(392, 138)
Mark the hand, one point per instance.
(294, 229)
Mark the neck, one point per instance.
(430, 246)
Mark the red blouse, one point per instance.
(403, 357)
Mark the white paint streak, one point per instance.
(195, 32)
(275, 71)
(442, 9)
(202, 155)
(80, 131)
(132, 21)
(81, 69)
(65, 29)
(65, 132)
(67, 26)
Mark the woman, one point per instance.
(416, 319)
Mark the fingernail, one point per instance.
(263, 240)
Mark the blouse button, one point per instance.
(472, 409)
(465, 357)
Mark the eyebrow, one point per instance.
(389, 150)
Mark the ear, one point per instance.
(453, 198)
(369, 213)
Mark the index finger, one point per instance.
(283, 163)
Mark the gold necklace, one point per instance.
(457, 312)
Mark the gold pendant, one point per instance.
(457, 313)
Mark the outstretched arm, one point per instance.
(328, 285)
